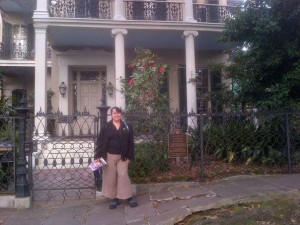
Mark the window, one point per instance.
(17, 95)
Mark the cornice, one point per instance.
(127, 24)
(189, 32)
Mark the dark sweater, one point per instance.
(125, 139)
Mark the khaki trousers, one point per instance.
(116, 182)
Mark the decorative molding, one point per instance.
(188, 33)
(40, 27)
(119, 31)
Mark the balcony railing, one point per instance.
(154, 10)
(213, 13)
(98, 9)
(147, 10)
(20, 52)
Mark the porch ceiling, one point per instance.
(77, 37)
(20, 6)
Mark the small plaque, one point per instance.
(178, 145)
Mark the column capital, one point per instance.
(190, 32)
(40, 27)
(119, 31)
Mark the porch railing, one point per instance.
(21, 51)
(98, 9)
(155, 10)
(209, 13)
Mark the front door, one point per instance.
(87, 89)
(86, 97)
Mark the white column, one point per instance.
(40, 92)
(119, 10)
(190, 72)
(119, 64)
(40, 96)
(188, 9)
(41, 9)
(223, 2)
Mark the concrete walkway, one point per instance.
(158, 203)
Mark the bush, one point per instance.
(149, 159)
(239, 138)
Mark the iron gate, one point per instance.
(62, 146)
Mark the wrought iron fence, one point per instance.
(8, 150)
(269, 138)
(60, 147)
(63, 147)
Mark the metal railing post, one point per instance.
(288, 140)
(22, 185)
(201, 148)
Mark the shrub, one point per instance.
(148, 160)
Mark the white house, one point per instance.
(87, 43)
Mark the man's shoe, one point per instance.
(132, 202)
(115, 202)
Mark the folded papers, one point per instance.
(97, 164)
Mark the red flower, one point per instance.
(151, 63)
(130, 66)
(161, 70)
(130, 82)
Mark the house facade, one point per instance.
(85, 46)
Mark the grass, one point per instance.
(275, 212)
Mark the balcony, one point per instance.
(97, 9)
(141, 10)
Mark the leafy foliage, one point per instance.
(149, 159)
(148, 111)
(267, 74)
(248, 138)
(144, 89)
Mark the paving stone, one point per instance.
(166, 206)
(5, 213)
(286, 180)
(140, 222)
(163, 207)
(27, 217)
(142, 199)
(260, 186)
(101, 214)
(140, 213)
(229, 189)
(189, 192)
(68, 214)
(161, 196)
(203, 203)
(170, 218)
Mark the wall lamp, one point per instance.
(53, 2)
(62, 89)
(110, 89)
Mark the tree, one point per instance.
(144, 89)
(265, 62)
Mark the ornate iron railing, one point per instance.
(154, 10)
(209, 13)
(141, 10)
(18, 42)
(19, 52)
(98, 9)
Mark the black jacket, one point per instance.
(127, 141)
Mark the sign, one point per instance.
(178, 145)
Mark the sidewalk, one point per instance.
(164, 204)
